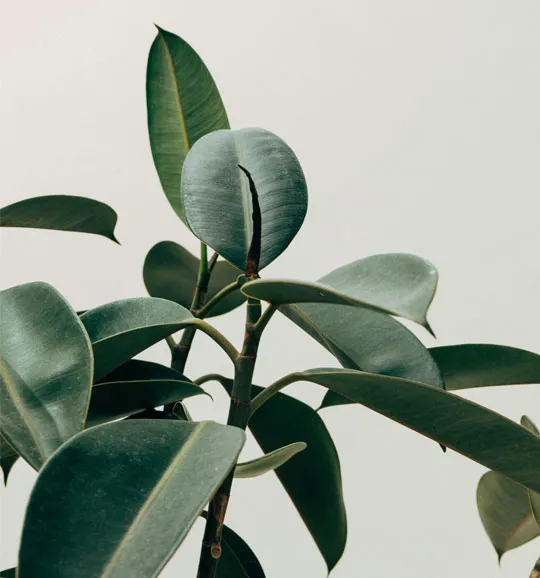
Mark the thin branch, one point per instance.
(207, 307)
(269, 391)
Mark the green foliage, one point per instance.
(124, 471)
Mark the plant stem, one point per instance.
(207, 307)
(239, 412)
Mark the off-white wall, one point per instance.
(418, 127)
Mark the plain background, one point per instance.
(418, 127)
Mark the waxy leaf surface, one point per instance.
(268, 462)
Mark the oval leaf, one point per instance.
(396, 284)
(171, 272)
(482, 364)
(159, 487)
(136, 386)
(122, 329)
(268, 462)
(183, 104)
(217, 199)
(45, 371)
(505, 512)
(61, 213)
(466, 427)
(365, 340)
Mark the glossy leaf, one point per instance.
(61, 213)
(153, 476)
(313, 478)
(171, 272)
(505, 512)
(365, 340)
(237, 558)
(45, 371)
(122, 329)
(466, 427)
(183, 104)
(268, 462)
(136, 386)
(8, 457)
(217, 200)
(396, 283)
(480, 365)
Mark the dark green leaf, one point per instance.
(131, 489)
(365, 340)
(122, 329)
(171, 272)
(268, 462)
(237, 558)
(466, 427)
(480, 365)
(136, 386)
(396, 283)
(183, 105)
(45, 371)
(505, 512)
(61, 213)
(9, 573)
(217, 200)
(8, 457)
(313, 478)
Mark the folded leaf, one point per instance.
(171, 272)
(268, 462)
(155, 476)
(481, 365)
(183, 104)
(466, 427)
(365, 340)
(395, 283)
(122, 329)
(45, 371)
(136, 386)
(505, 512)
(61, 213)
(217, 201)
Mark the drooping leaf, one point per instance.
(237, 558)
(481, 365)
(505, 512)
(183, 104)
(171, 272)
(534, 497)
(217, 200)
(8, 457)
(365, 340)
(268, 462)
(61, 213)
(131, 490)
(45, 371)
(122, 329)
(136, 386)
(395, 283)
(466, 427)
(313, 478)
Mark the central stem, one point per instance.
(239, 413)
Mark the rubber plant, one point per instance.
(121, 464)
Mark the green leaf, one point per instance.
(396, 283)
(217, 200)
(313, 478)
(183, 104)
(481, 365)
(171, 272)
(61, 213)
(237, 558)
(136, 386)
(505, 512)
(8, 457)
(9, 573)
(466, 427)
(268, 462)
(365, 340)
(131, 490)
(528, 423)
(45, 371)
(122, 329)
(536, 570)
